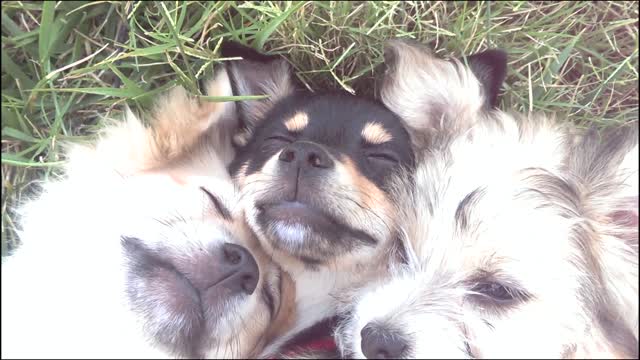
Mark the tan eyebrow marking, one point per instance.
(297, 123)
(370, 194)
(374, 133)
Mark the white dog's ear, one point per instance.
(607, 163)
(180, 120)
(430, 93)
(490, 68)
(177, 123)
(255, 74)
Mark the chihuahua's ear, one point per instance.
(432, 93)
(255, 74)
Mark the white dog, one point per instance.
(523, 231)
(139, 250)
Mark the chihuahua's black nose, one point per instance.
(380, 343)
(242, 267)
(306, 154)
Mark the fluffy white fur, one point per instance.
(526, 202)
(67, 291)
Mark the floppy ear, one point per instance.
(607, 163)
(255, 74)
(431, 93)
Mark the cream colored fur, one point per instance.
(553, 213)
(64, 290)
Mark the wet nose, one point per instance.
(380, 343)
(306, 154)
(243, 269)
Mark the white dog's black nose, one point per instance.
(381, 343)
(225, 270)
(243, 268)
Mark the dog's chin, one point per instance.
(295, 214)
(293, 224)
(306, 232)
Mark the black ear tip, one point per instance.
(490, 67)
(499, 58)
(497, 54)
(495, 59)
(230, 48)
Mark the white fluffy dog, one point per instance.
(139, 251)
(523, 231)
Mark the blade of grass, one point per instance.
(10, 67)
(11, 159)
(11, 26)
(46, 33)
(17, 134)
(613, 75)
(125, 80)
(120, 93)
(264, 35)
(554, 69)
(74, 64)
(191, 80)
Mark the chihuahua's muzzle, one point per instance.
(295, 216)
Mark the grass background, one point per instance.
(65, 64)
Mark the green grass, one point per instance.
(64, 64)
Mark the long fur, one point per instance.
(525, 203)
(71, 290)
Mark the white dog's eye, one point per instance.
(493, 290)
(498, 294)
(222, 210)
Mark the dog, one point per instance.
(520, 230)
(313, 171)
(140, 249)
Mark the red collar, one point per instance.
(316, 339)
(323, 345)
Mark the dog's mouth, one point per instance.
(297, 213)
(306, 231)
